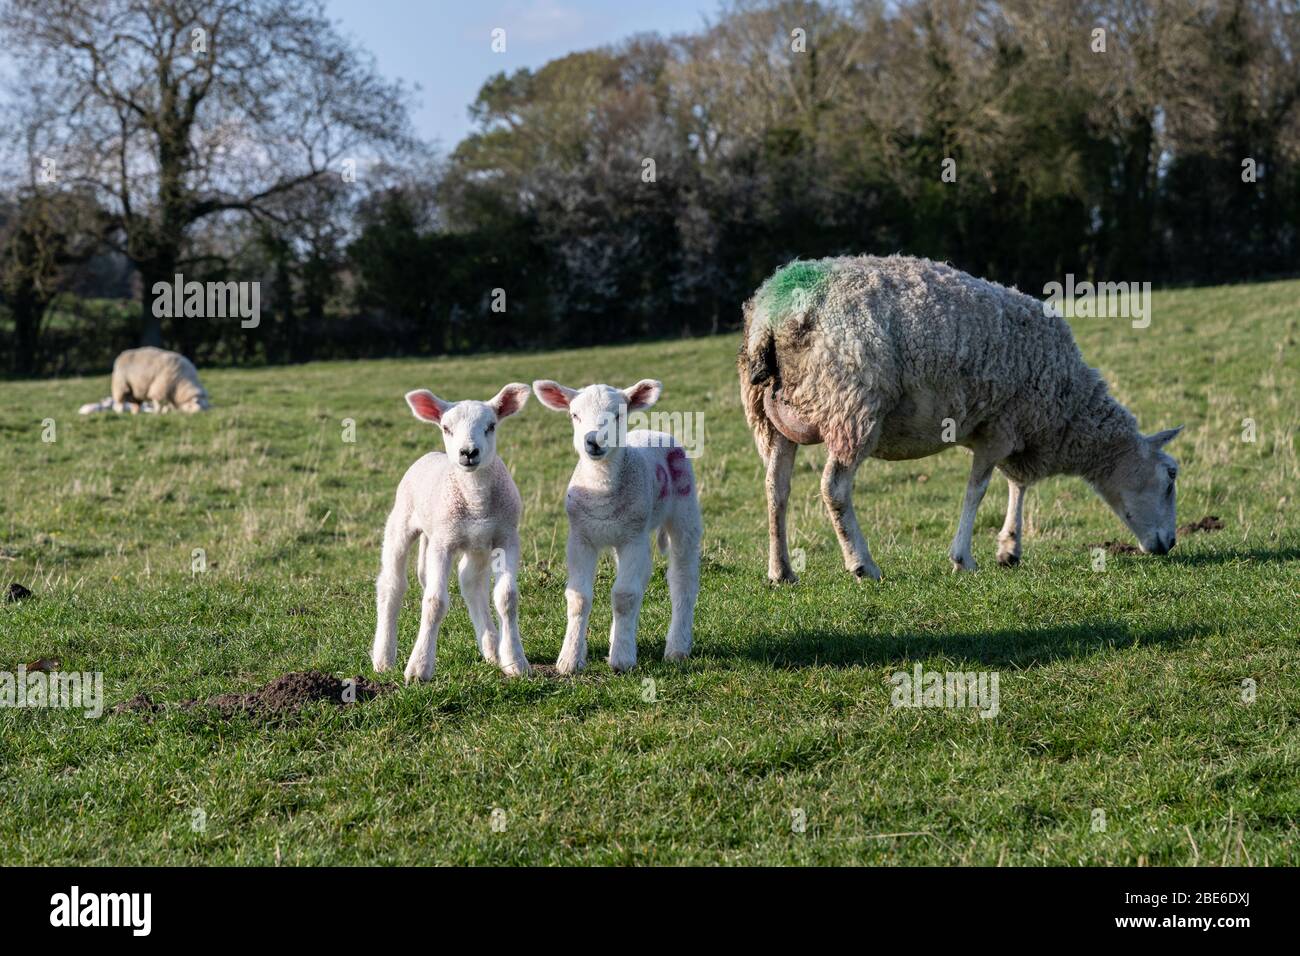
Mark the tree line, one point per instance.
(638, 190)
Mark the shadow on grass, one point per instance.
(1008, 647)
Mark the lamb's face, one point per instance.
(598, 413)
(1142, 492)
(469, 429)
(199, 403)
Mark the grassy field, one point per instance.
(1121, 690)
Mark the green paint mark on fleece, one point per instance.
(791, 289)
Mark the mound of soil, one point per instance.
(286, 694)
(1208, 523)
(17, 592)
(1118, 547)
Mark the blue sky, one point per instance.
(445, 46)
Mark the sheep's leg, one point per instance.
(390, 588)
(837, 492)
(421, 561)
(980, 473)
(577, 593)
(511, 646)
(475, 576)
(683, 581)
(780, 462)
(433, 608)
(634, 567)
(1009, 538)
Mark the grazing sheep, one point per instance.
(167, 379)
(626, 486)
(900, 358)
(465, 504)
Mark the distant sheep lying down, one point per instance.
(900, 358)
(152, 380)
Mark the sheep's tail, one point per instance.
(757, 366)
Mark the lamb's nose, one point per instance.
(593, 446)
(469, 456)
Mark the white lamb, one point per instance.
(463, 504)
(900, 358)
(150, 375)
(626, 486)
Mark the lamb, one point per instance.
(899, 358)
(460, 504)
(626, 486)
(151, 375)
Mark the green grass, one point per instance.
(1119, 690)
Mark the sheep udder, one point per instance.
(785, 420)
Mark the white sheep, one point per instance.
(151, 375)
(900, 358)
(461, 504)
(626, 486)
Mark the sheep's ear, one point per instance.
(643, 394)
(553, 395)
(1160, 439)
(427, 406)
(510, 399)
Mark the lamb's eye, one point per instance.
(491, 429)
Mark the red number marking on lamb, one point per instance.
(677, 469)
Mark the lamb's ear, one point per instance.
(427, 406)
(553, 395)
(510, 399)
(1160, 439)
(643, 394)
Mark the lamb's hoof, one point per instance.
(569, 666)
(782, 577)
(962, 564)
(867, 571)
(621, 667)
(516, 669)
(675, 654)
(1009, 560)
(415, 675)
(382, 664)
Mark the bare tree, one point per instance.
(176, 110)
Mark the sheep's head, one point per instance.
(198, 403)
(598, 413)
(469, 429)
(1141, 491)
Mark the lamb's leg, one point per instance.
(1010, 537)
(475, 576)
(577, 593)
(683, 581)
(980, 473)
(634, 567)
(780, 462)
(511, 646)
(421, 561)
(390, 588)
(433, 608)
(837, 492)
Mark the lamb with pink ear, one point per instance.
(464, 507)
(626, 487)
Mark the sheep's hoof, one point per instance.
(516, 669)
(783, 577)
(867, 571)
(1008, 560)
(676, 655)
(962, 564)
